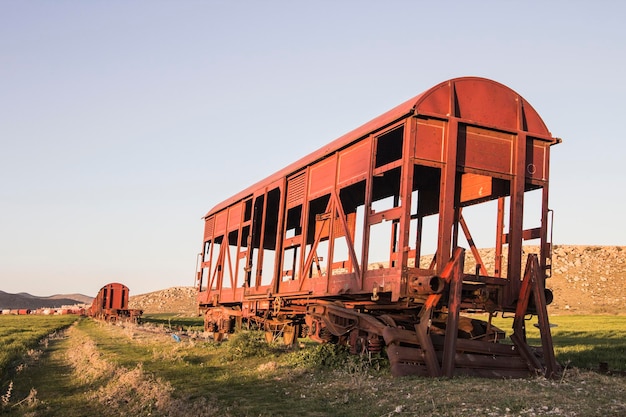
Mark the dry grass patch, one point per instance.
(127, 391)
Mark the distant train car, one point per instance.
(111, 304)
(333, 246)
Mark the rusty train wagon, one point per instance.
(335, 246)
(111, 304)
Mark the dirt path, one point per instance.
(71, 377)
(49, 381)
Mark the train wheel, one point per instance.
(326, 336)
(290, 334)
(374, 344)
(218, 336)
(357, 341)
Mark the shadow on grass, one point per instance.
(587, 350)
(172, 321)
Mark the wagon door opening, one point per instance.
(386, 201)
(263, 241)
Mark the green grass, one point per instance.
(243, 377)
(59, 392)
(18, 334)
(174, 322)
(582, 341)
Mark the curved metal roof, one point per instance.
(472, 100)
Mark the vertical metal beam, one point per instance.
(454, 308)
(334, 201)
(369, 185)
(499, 238)
(235, 276)
(418, 240)
(542, 321)
(278, 246)
(546, 246)
(534, 284)
(426, 344)
(516, 212)
(406, 189)
(227, 262)
(544, 249)
(447, 186)
(304, 224)
(519, 325)
(259, 259)
(332, 208)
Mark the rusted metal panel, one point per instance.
(322, 226)
(221, 219)
(354, 163)
(486, 150)
(234, 216)
(476, 101)
(344, 283)
(536, 159)
(531, 122)
(479, 101)
(475, 187)
(430, 139)
(322, 178)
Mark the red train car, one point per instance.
(111, 304)
(334, 246)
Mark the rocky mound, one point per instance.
(585, 280)
(588, 279)
(181, 300)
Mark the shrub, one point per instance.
(326, 355)
(247, 344)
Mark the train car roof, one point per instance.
(472, 100)
(110, 284)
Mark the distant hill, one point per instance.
(28, 301)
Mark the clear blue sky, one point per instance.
(123, 122)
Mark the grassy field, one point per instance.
(174, 322)
(21, 334)
(105, 370)
(583, 341)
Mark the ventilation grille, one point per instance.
(295, 190)
(208, 228)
